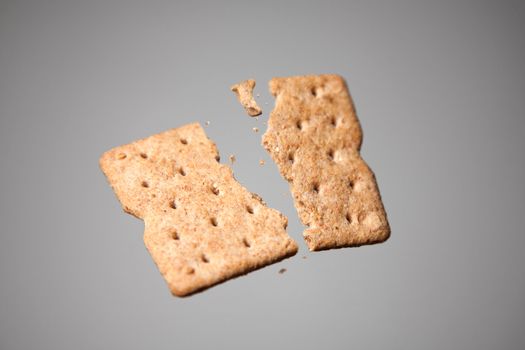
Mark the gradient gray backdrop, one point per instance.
(440, 91)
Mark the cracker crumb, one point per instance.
(207, 123)
(261, 162)
(232, 158)
(281, 271)
(304, 256)
(244, 92)
(255, 129)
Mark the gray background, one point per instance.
(440, 91)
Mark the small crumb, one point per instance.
(255, 129)
(256, 118)
(281, 271)
(261, 162)
(258, 95)
(232, 159)
(244, 92)
(207, 123)
(304, 256)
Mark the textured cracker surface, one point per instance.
(314, 137)
(244, 92)
(201, 226)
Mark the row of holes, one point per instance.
(181, 170)
(143, 155)
(330, 154)
(360, 217)
(300, 123)
(316, 186)
(213, 220)
(175, 236)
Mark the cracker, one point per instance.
(244, 92)
(201, 226)
(314, 137)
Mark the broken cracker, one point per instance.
(314, 136)
(201, 226)
(244, 92)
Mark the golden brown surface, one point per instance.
(244, 92)
(314, 137)
(201, 226)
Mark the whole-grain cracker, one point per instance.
(201, 226)
(314, 136)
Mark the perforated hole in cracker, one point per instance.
(330, 154)
(291, 157)
(348, 218)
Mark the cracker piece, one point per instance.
(201, 226)
(244, 92)
(314, 137)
